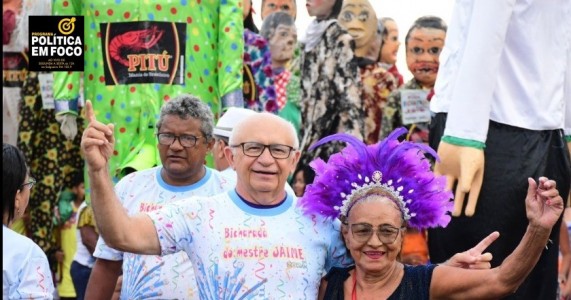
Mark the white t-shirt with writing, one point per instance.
(149, 276)
(242, 252)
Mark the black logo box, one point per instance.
(50, 51)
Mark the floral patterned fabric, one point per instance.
(257, 56)
(51, 157)
(378, 83)
(331, 85)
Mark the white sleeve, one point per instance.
(105, 252)
(477, 63)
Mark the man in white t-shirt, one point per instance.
(184, 132)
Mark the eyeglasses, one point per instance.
(362, 232)
(253, 149)
(185, 140)
(30, 183)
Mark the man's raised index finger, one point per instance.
(89, 113)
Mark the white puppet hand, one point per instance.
(465, 165)
(68, 125)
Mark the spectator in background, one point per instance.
(222, 132)
(302, 176)
(25, 269)
(390, 47)
(271, 6)
(70, 200)
(83, 260)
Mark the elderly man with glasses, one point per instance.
(185, 136)
(251, 242)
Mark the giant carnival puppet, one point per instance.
(330, 81)
(280, 32)
(15, 62)
(409, 105)
(502, 116)
(258, 87)
(360, 20)
(139, 54)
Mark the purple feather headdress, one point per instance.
(400, 169)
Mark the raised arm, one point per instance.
(134, 234)
(544, 207)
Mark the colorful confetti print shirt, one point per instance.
(251, 253)
(331, 87)
(25, 270)
(149, 276)
(211, 68)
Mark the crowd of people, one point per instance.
(361, 192)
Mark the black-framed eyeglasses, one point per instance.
(186, 140)
(30, 183)
(362, 232)
(254, 149)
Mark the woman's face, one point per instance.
(369, 219)
(23, 197)
(391, 43)
(299, 184)
(319, 9)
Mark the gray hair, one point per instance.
(186, 106)
(272, 21)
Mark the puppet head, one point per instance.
(360, 20)
(390, 45)
(424, 42)
(10, 9)
(271, 6)
(280, 32)
(324, 9)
